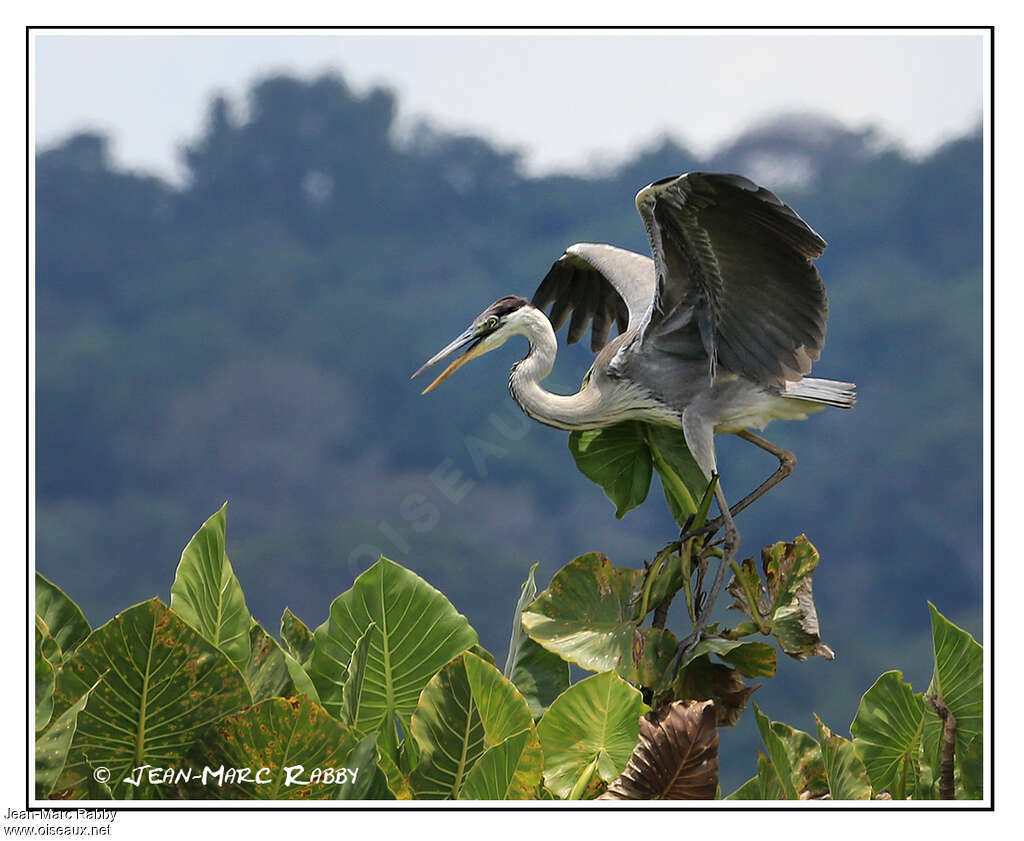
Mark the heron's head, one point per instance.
(491, 329)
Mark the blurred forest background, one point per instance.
(249, 336)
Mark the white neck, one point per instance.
(572, 411)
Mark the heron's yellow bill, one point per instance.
(472, 338)
(475, 351)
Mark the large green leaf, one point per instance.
(622, 458)
(887, 734)
(784, 605)
(781, 763)
(618, 459)
(482, 653)
(765, 786)
(64, 619)
(267, 672)
(352, 691)
(467, 708)
(527, 594)
(48, 647)
(449, 731)
(681, 479)
(370, 783)
(296, 637)
(594, 723)
(700, 679)
(508, 771)
(417, 632)
(653, 652)
(503, 710)
(972, 773)
(958, 678)
(206, 592)
(53, 745)
(44, 683)
(847, 777)
(163, 682)
(804, 757)
(301, 680)
(589, 613)
(751, 659)
(539, 674)
(387, 758)
(295, 740)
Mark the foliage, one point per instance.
(206, 592)
(395, 699)
(589, 732)
(784, 605)
(620, 459)
(889, 756)
(540, 675)
(413, 631)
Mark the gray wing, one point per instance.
(733, 267)
(598, 284)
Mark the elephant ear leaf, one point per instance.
(207, 595)
(618, 459)
(676, 756)
(62, 619)
(783, 606)
(297, 639)
(540, 675)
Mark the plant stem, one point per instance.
(686, 553)
(580, 788)
(947, 788)
(656, 568)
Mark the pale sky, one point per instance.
(566, 100)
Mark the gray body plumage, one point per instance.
(721, 326)
(716, 333)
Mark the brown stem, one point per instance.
(947, 789)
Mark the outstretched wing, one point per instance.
(733, 265)
(598, 284)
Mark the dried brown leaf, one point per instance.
(676, 756)
(701, 679)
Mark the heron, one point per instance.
(717, 331)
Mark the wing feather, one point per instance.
(732, 258)
(600, 285)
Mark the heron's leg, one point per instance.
(731, 543)
(787, 461)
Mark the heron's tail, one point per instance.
(827, 392)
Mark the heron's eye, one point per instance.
(491, 322)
